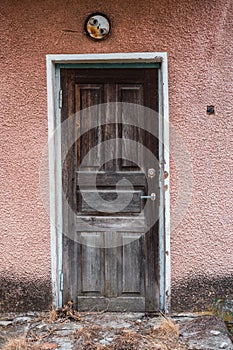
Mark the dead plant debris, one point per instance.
(164, 337)
(93, 331)
(66, 312)
(21, 343)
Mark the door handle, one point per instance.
(152, 196)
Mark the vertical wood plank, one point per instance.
(110, 130)
(130, 93)
(86, 96)
(133, 264)
(92, 263)
(113, 264)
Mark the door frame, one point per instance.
(55, 167)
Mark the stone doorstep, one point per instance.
(200, 332)
(205, 332)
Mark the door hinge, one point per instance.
(61, 281)
(60, 99)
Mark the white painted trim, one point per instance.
(55, 160)
(55, 183)
(109, 57)
(161, 197)
(167, 255)
(52, 182)
(59, 220)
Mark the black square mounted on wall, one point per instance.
(210, 110)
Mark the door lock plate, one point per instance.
(151, 172)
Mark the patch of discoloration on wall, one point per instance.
(200, 293)
(24, 294)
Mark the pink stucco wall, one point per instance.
(197, 35)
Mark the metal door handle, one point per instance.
(152, 196)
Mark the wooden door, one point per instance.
(108, 261)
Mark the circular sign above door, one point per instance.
(97, 26)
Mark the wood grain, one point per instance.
(123, 277)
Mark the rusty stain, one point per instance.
(165, 175)
(165, 187)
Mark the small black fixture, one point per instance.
(210, 110)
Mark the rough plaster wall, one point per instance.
(198, 38)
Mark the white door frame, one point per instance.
(55, 173)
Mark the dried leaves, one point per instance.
(21, 343)
(96, 331)
(67, 312)
(164, 337)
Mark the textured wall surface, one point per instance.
(197, 35)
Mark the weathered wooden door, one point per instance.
(108, 260)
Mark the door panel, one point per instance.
(87, 95)
(130, 93)
(108, 196)
(132, 251)
(123, 276)
(92, 260)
